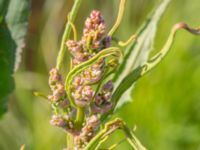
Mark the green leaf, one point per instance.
(7, 50)
(13, 27)
(3, 8)
(137, 53)
(141, 70)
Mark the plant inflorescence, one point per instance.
(98, 77)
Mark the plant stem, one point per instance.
(133, 141)
(109, 128)
(70, 141)
(67, 32)
(119, 17)
(80, 116)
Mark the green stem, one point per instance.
(131, 138)
(119, 17)
(114, 146)
(39, 94)
(67, 32)
(80, 116)
(109, 128)
(100, 137)
(70, 141)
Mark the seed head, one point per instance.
(95, 29)
(54, 77)
(58, 121)
(83, 95)
(94, 23)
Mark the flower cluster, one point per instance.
(63, 122)
(87, 90)
(102, 103)
(57, 87)
(92, 41)
(86, 99)
(59, 100)
(87, 132)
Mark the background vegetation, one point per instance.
(166, 106)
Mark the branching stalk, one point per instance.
(86, 99)
(66, 34)
(119, 17)
(80, 117)
(111, 127)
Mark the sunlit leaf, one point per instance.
(141, 70)
(138, 52)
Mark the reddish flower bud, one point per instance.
(64, 104)
(73, 46)
(78, 81)
(93, 121)
(54, 77)
(58, 121)
(95, 28)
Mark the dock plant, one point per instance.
(103, 71)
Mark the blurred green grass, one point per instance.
(166, 106)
